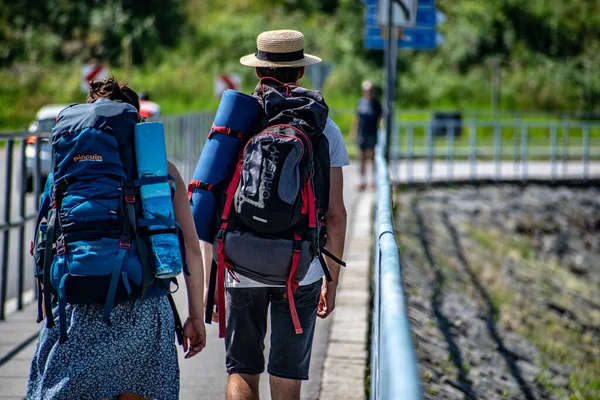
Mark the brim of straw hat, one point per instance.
(251, 61)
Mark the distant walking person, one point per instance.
(110, 324)
(286, 194)
(366, 124)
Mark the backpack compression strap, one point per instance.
(292, 285)
(222, 263)
(223, 130)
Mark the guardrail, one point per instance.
(504, 149)
(15, 182)
(394, 372)
(185, 136)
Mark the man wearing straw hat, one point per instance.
(280, 55)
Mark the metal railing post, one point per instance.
(553, 151)
(586, 152)
(410, 150)
(473, 151)
(22, 214)
(450, 151)
(37, 173)
(524, 153)
(6, 233)
(429, 151)
(497, 151)
(565, 147)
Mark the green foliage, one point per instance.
(548, 52)
(60, 30)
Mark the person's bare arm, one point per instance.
(336, 237)
(194, 327)
(207, 257)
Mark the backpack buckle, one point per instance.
(129, 196)
(221, 234)
(61, 249)
(297, 243)
(125, 242)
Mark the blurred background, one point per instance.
(493, 186)
(534, 55)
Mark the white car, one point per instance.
(45, 120)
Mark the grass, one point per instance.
(562, 341)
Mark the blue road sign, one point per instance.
(426, 16)
(422, 37)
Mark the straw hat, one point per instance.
(283, 48)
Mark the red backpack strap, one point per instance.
(222, 263)
(292, 285)
(195, 184)
(223, 130)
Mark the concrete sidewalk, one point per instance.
(339, 353)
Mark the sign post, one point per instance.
(399, 24)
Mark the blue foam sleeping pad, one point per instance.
(238, 112)
(151, 157)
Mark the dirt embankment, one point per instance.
(503, 285)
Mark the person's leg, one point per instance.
(363, 170)
(289, 358)
(244, 343)
(370, 161)
(242, 387)
(282, 388)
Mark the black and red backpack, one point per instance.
(272, 221)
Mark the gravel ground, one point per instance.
(503, 286)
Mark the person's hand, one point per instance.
(215, 313)
(194, 336)
(327, 300)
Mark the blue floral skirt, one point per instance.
(136, 353)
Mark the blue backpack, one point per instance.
(94, 247)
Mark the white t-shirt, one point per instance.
(338, 157)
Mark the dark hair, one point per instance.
(283, 75)
(110, 88)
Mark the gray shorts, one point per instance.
(247, 310)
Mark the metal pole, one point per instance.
(565, 146)
(21, 247)
(391, 46)
(498, 150)
(516, 133)
(429, 153)
(6, 234)
(450, 151)
(473, 151)
(410, 150)
(37, 176)
(553, 150)
(524, 154)
(586, 153)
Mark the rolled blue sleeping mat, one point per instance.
(157, 204)
(236, 121)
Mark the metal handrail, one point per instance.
(394, 372)
(20, 222)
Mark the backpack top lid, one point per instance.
(284, 102)
(119, 116)
(116, 118)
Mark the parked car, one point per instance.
(45, 120)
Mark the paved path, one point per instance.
(204, 376)
(441, 171)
